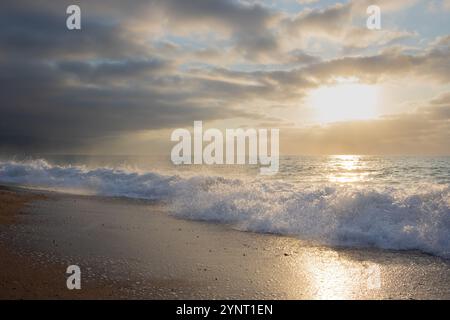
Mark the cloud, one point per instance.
(433, 63)
(436, 6)
(328, 21)
(362, 38)
(122, 71)
(307, 1)
(63, 89)
(124, 28)
(43, 109)
(336, 23)
(39, 33)
(443, 99)
(425, 131)
(248, 23)
(155, 65)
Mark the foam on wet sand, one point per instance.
(136, 250)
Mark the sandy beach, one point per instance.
(132, 249)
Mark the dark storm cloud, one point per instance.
(36, 32)
(37, 25)
(61, 88)
(113, 71)
(41, 110)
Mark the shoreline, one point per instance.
(131, 249)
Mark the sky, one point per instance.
(139, 69)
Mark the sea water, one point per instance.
(391, 202)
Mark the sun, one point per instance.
(344, 101)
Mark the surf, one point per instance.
(399, 217)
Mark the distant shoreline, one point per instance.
(134, 250)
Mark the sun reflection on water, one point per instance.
(347, 169)
(330, 276)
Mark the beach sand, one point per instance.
(132, 249)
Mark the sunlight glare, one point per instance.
(344, 101)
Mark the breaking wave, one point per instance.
(390, 217)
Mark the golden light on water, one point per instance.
(330, 278)
(346, 169)
(344, 101)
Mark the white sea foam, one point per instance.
(352, 215)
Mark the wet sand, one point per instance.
(134, 250)
(34, 275)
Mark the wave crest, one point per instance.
(384, 216)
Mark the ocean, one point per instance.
(400, 203)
